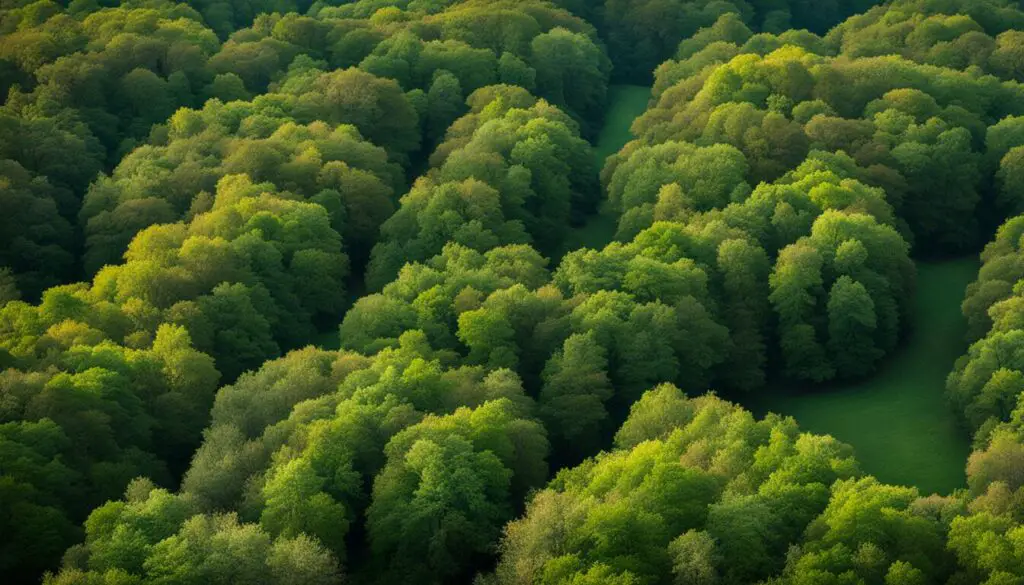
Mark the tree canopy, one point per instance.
(292, 292)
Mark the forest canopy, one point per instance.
(339, 292)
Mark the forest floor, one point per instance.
(625, 104)
(899, 422)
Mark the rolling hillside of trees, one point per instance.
(195, 194)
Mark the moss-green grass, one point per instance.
(898, 420)
(625, 103)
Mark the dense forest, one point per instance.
(291, 292)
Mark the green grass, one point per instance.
(625, 103)
(899, 422)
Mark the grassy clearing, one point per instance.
(898, 420)
(625, 103)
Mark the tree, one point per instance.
(745, 268)
(665, 505)
(331, 165)
(504, 175)
(437, 508)
(851, 325)
(694, 559)
(572, 400)
(796, 290)
(445, 103)
(571, 72)
(36, 240)
(79, 429)
(377, 107)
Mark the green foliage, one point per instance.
(985, 388)
(44, 161)
(446, 490)
(225, 16)
(916, 130)
(899, 405)
(531, 43)
(116, 70)
(512, 171)
(235, 276)
(437, 509)
(157, 537)
(958, 34)
(77, 429)
(861, 324)
(331, 165)
(670, 180)
(871, 531)
(431, 296)
(218, 166)
(294, 449)
(35, 241)
(986, 382)
(244, 278)
(643, 34)
(697, 490)
(576, 387)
